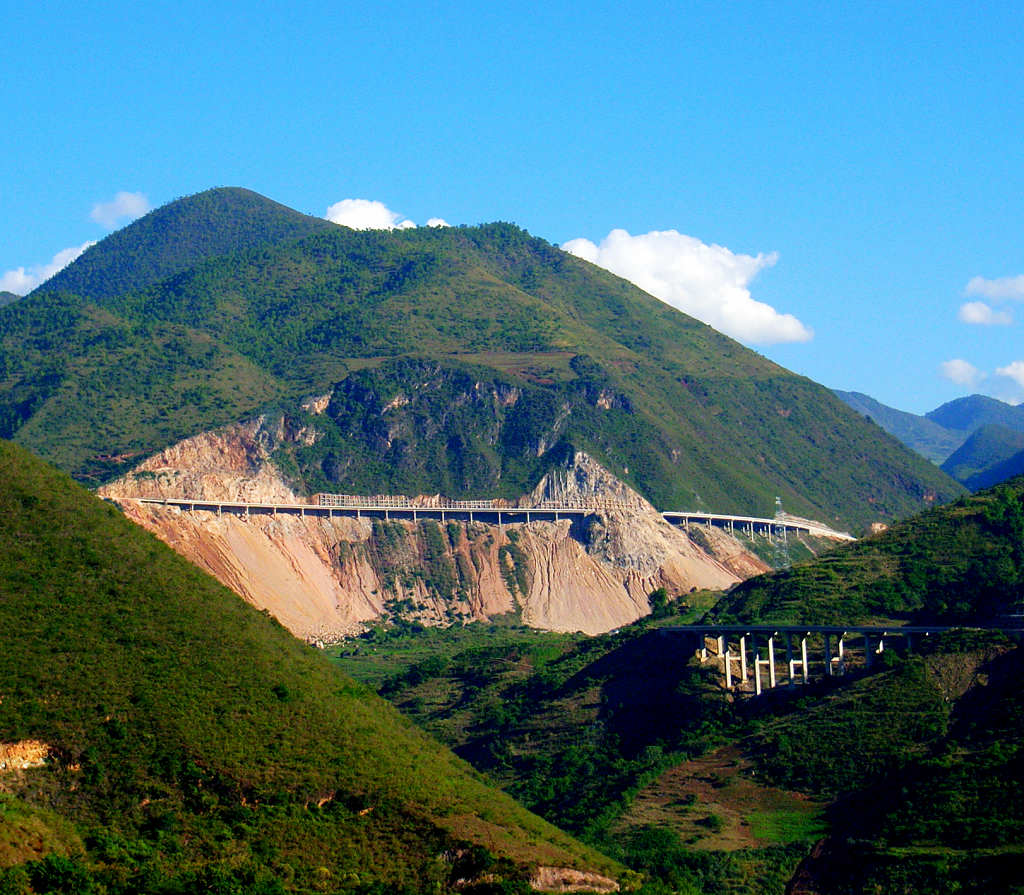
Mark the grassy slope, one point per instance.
(954, 564)
(196, 737)
(699, 421)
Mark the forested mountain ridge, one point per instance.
(962, 563)
(991, 454)
(178, 236)
(919, 433)
(967, 414)
(160, 735)
(687, 416)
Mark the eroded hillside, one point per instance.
(325, 578)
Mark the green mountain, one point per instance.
(919, 433)
(536, 351)
(188, 743)
(176, 237)
(998, 472)
(967, 414)
(987, 449)
(956, 564)
(7, 297)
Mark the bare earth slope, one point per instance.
(327, 578)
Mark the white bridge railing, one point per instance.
(398, 501)
(401, 506)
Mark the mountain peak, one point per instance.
(967, 413)
(178, 236)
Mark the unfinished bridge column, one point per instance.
(828, 654)
(789, 657)
(803, 657)
(771, 661)
(743, 658)
(726, 661)
(841, 665)
(755, 655)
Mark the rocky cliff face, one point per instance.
(327, 578)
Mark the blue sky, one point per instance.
(853, 167)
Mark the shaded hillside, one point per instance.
(925, 773)
(919, 433)
(573, 727)
(178, 236)
(7, 297)
(982, 460)
(997, 472)
(684, 414)
(960, 563)
(632, 742)
(189, 743)
(966, 414)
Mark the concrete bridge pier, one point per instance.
(756, 655)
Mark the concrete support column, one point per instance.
(828, 654)
(743, 658)
(789, 657)
(755, 655)
(803, 657)
(771, 661)
(727, 659)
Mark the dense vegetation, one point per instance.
(918, 765)
(262, 316)
(196, 746)
(919, 433)
(574, 727)
(991, 454)
(166, 242)
(967, 414)
(956, 564)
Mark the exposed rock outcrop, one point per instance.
(327, 578)
(23, 755)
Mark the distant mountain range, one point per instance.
(499, 347)
(977, 440)
(7, 297)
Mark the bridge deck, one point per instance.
(484, 509)
(872, 630)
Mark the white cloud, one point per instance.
(123, 207)
(709, 282)
(961, 372)
(366, 214)
(437, 222)
(998, 289)
(1014, 371)
(978, 312)
(22, 281)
